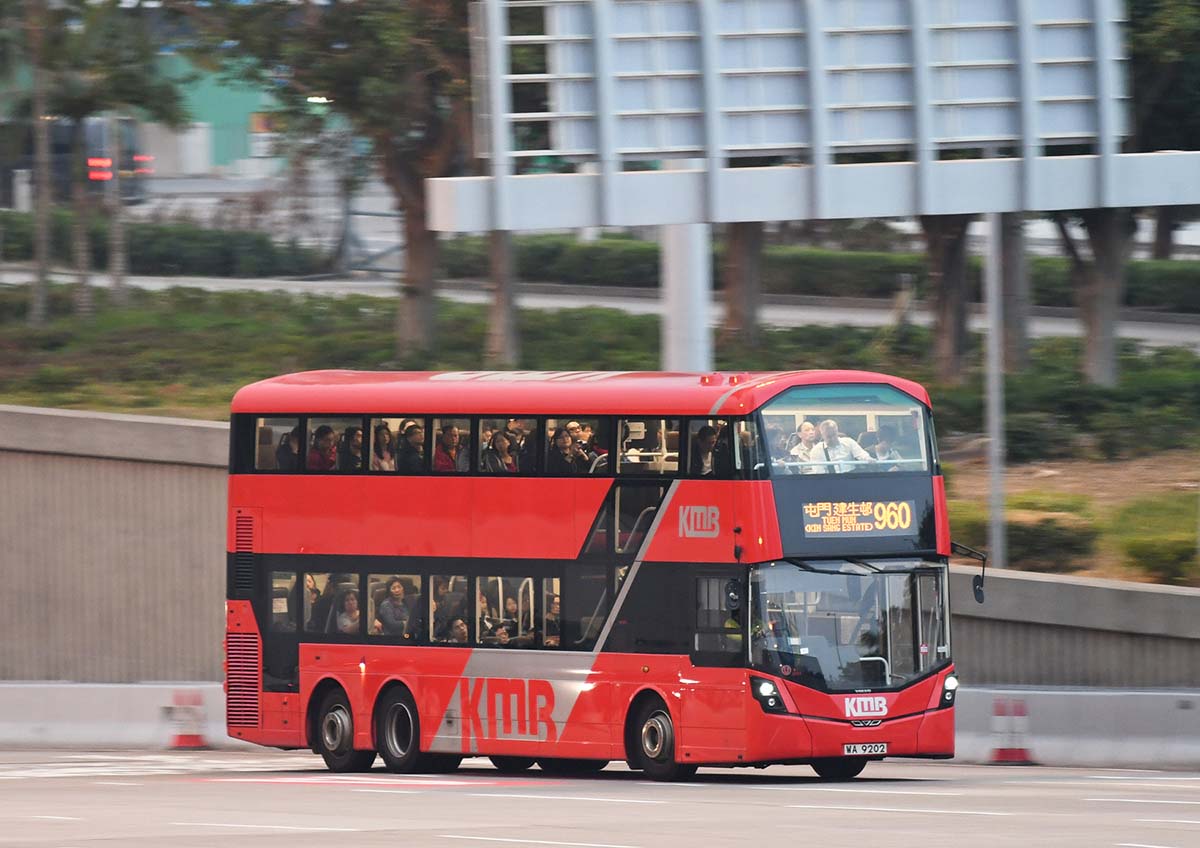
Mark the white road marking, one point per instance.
(847, 789)
(1128, 777)
(269, 827)
(1171, 821)
(350, 780)
(564, 798)
(390, 791)
(1139, 845)
(57, 818)
(1140, 801)
(895, 810)
(114, 783)
(536, 841)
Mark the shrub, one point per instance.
(168, 249)
(1168, 559)
(1157, 535)
(1038, 435)
(1036, 540)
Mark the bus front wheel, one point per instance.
(839, 768)
(335, 735)
(654, 741)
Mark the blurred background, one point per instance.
(236, 190)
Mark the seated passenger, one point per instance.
(497, 458)
(802, 450)
(287, 455)
(319, 619)
(883, 450)
(322, 456)
(410, 459)
(351, 456)
(382, 456)
(449, 457)
(566, 456)
(708, 459)
(456, 633)
(551, 637)
(393, 612)
(834, 447)
(349, 616)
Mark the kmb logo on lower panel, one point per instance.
(860, 706)
(699, 522)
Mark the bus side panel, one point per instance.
(696, 523)
(556, 528)
(754, 508)
(713, 726)
(941, 515)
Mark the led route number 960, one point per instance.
(893, 515)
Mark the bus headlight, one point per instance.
(949, 688)
(767, 695)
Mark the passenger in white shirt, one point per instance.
(802, 450)
(832, 451)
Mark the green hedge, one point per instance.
(168, 249)
(1053, 542)
(1157, 536)
(1173, 285)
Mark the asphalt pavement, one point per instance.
(265, 798)
(1155, 330)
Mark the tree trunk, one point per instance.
(415, 320)
(116, 219)
(503, 344)
(946, 250)
(1165, 220)
(81, 248)
(35, 28)
(1100, 288)
(1015, 292)
(742, 277)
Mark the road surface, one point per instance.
(264, 798)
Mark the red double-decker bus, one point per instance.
(572, 568)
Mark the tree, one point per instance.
(22, 40)
(742, 278)
(946, 249)
(102, 61)
(1165, 70)
(398, 73)
(1098, 281)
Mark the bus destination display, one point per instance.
(859, 518)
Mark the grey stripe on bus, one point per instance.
(721, 400)
(637, 563)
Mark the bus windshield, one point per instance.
(838, 625)
(846, 429)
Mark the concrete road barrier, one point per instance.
(1053, 727)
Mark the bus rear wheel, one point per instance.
(512, 765)
(571, 766)
(398, 732)
(839, 768)
(335, 735)
(654, 743)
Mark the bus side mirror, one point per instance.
(977, 580)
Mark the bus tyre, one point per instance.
(654, 738)
(563, 766)
(512, 765)
(398, 732)
(839, 768)
(335, 735)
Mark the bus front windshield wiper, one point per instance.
(868, 566)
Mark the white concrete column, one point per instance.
(686, 277)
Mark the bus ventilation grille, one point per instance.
(243, 557)
(241, 702)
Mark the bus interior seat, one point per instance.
(265, 458)
(281, 615)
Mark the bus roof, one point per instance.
(537, 392)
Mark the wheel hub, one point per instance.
(336, 729)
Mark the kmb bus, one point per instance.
(571, 568)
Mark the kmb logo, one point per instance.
(866, 705)
(503, 708)
(699, 522)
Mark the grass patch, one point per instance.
(1157, 536)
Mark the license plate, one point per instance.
(864, 749)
